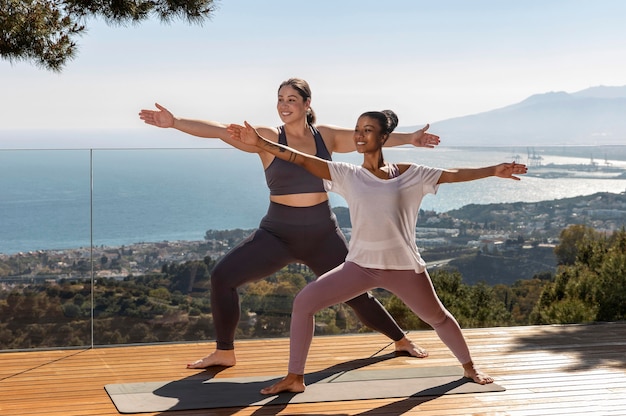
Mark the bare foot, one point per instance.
(406, 345)
(293, 383)
(224, 358)
(470, 371)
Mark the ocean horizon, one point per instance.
(65, 199)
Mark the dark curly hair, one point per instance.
(387, 119)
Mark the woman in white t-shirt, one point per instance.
(384, 201)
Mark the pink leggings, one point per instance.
(349, 280)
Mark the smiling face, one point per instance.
(368, 136)
(291, 105)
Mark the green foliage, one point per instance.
(161, 293)
(472, 306)
(326, 321)
(273, 296)
(571, 240)
(174, 305)
(45, 31)
(32, 316)
(184, 277)
(590, 288)
(521, 298)
(504, 266)
(403, 315)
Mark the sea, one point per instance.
(73, 198)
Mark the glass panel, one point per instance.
(44, 248)
(148, 231)
(152, 211)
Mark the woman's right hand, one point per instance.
(160, 118)
(244, 134)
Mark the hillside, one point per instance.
(594, 116)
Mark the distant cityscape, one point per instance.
(490, 228)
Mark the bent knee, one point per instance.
(437, 320)
(305, 303)
(219, 277)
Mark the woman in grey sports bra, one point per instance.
(299, 225)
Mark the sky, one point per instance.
(426, 60)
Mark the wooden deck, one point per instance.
(547, 370)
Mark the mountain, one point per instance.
(594, 116)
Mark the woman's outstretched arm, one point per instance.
(163, 118)
(418, 138)
(503, 170)
(248, 135)
(342, 140)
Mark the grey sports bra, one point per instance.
(284, 178)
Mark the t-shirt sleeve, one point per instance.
(338, 173)
(428, 177)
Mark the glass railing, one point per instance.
(86, 234)
(115, 246)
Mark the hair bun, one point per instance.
(392, 120)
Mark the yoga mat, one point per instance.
(196, 393)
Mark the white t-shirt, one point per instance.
(383, 213)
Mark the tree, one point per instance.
(593, 288)
(571, 239)
(45, 31)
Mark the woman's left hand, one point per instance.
(421, 138)
(507, 170)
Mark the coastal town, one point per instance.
(490, 229)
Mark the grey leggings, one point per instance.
(308, 235)
(343, 282)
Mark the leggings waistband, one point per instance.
(316, 214)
